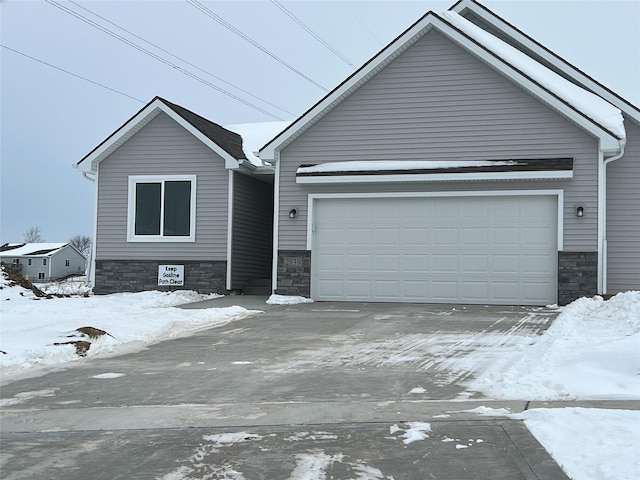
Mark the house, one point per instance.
(464, 163)
(179, 205)
(44, 262)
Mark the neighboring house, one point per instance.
(43, 262)
(464, 163)
(179, 204)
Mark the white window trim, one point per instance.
(135, 179)
(559, 193)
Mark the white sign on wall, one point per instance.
(170, 275)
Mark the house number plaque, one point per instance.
(293, 262)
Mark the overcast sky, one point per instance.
(68, 81)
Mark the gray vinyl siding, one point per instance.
(252, 233)
(77, 263)
(437, 102)
(623, 218)
(162, 147)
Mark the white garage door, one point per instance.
(497, 250)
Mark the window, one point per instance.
(44, 261)
(16, 261)
(66, 263)
(29, 261)
(40, 275)
(162, 209)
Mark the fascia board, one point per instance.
(134, 124)
(333, 98)
(609, 142)
(560, 63)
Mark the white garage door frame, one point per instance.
(314, 197)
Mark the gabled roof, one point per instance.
(472, 9)
(31, 249)
(225, 143)
(610, 138)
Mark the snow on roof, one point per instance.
(594, 107)
(33, 249)
(383, 165)
(255, 135)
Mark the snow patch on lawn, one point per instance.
(589, 443)
(276, 299)
(591, 351)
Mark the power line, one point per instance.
(344, 4)
(160, 59)
(71, 73)
(228, 26)
(312, 33)
(181, 59)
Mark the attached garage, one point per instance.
(495, 249)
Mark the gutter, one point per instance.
(602, 214)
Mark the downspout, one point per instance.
(230, 213)
(276, 218)
(91, 271)
(602, 217)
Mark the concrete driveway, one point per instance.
(322, 390)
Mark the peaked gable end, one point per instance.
(225, 143)
(596, 125)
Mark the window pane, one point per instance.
(147, 209)
(177, 208)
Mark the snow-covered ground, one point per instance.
(592, 351)
(30, 326)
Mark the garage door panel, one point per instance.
(441, 209)
(506, 264)
(359, 288)
(476, 210)
(358, 262)
(416, 237)
(505, 291)
(387, 263)
(387, 289)
(444, 263)
(475, 264)
(332, 237)
(416, 290)
(536, 264)
(475, 236)
(387, 237)
(445, 236)
(536, 236)
(467, 250)
(415, 262)
(478, 290)
(506, 211)
(504, 236)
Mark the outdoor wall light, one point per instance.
(580, 211)
(293, 213)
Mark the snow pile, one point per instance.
(32, 326)
(287, 300)
(396, 165)
(592, 351)
(255, 135)
(589, 443)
